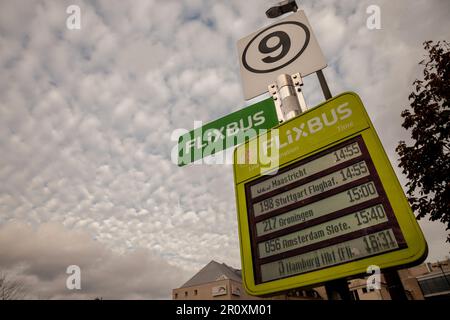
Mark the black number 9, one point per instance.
(284, 42)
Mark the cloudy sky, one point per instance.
(86, 119)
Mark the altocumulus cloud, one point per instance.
(86, 118)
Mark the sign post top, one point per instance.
(288, 46)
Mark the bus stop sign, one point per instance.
(326, 206)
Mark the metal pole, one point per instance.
(395, 285)
(338, 290)
(324, 85)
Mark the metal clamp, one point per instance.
(288, 96)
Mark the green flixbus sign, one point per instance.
(231, 130)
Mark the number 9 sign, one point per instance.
(288, 46)
(272, 58)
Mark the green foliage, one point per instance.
(426, 163)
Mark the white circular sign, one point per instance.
(276, 47)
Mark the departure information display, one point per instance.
(360, 247)
(321, 211)
(318, 200)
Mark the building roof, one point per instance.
(433, 274)
(214, 271)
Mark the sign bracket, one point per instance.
(288, 97)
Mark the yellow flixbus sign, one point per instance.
(318, 200)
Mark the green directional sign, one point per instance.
(226, 132)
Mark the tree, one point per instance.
(426, 163)
(11, 289)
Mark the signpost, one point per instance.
(286, 47)
(326, 204)
(226, 132)
(332, 208)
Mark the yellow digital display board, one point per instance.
(318, 200)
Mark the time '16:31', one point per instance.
(380, 241)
